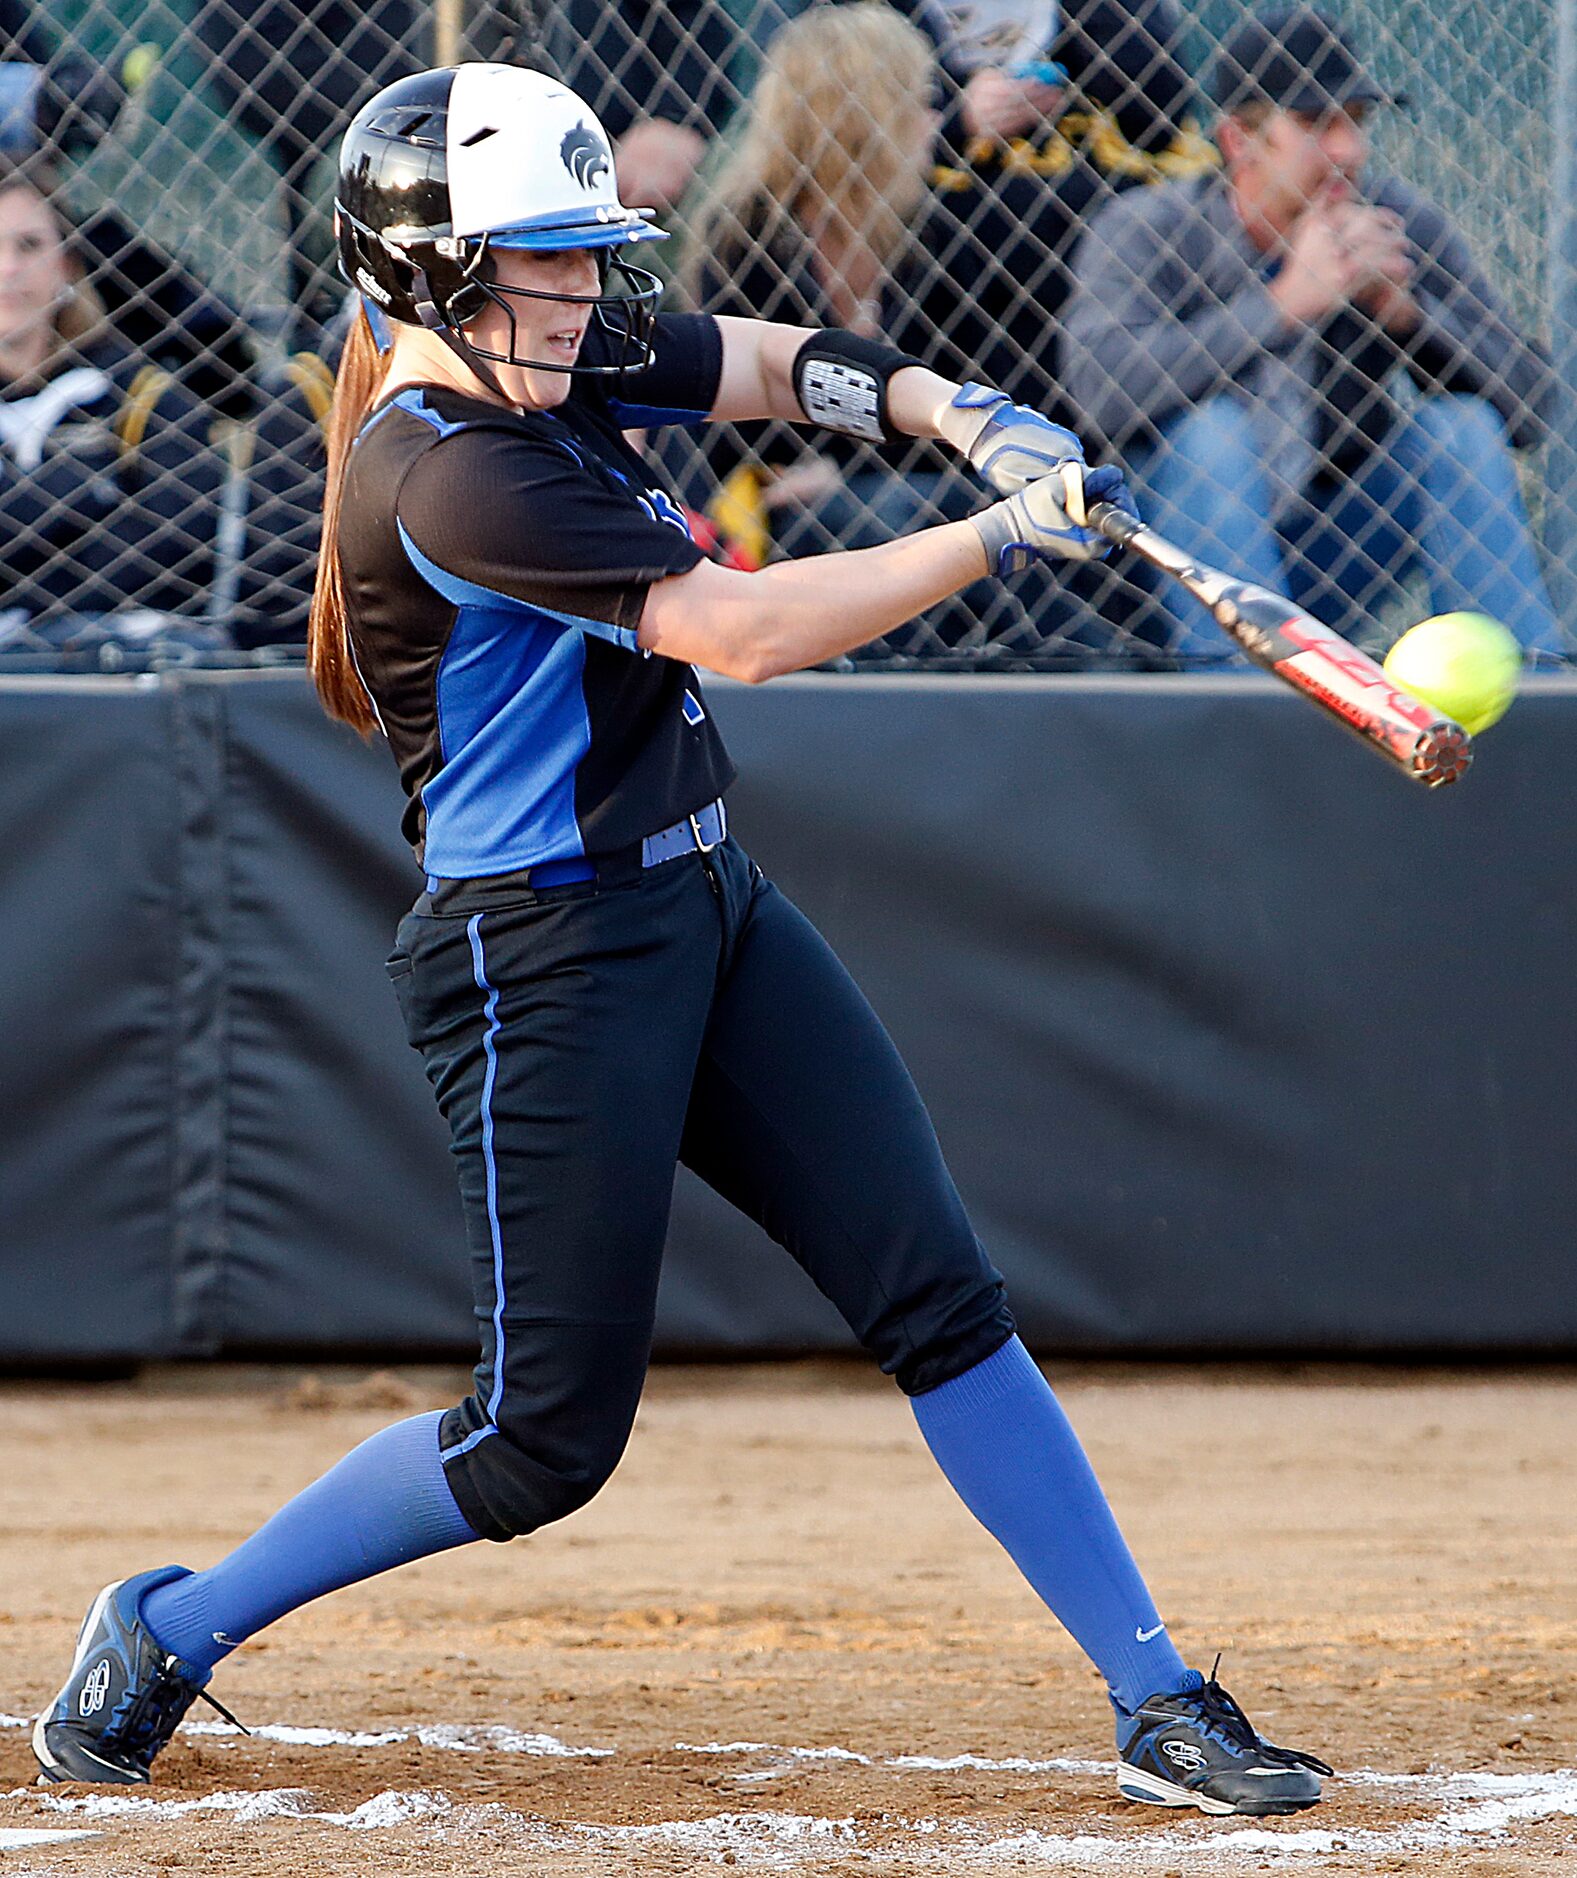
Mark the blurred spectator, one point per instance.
(292, 72)
(159, 308)
(1021, 161)
(802, 223)
(837, 136)
(1106, 78)
(988, 275)
(666, 76)
(657, 73)
(107, 486)
(986, 280)
(271, 512)
(1312, 380)
(62, 106)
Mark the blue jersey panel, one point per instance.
(647, 416)
(512, 727)
(415, 400)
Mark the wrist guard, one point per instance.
(841, 382)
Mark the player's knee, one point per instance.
(556, 1494)
(527, 1472)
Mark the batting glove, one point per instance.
(1045, 520)
(1007, 444)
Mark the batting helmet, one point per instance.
(439, 168)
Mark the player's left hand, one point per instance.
(1048, 519)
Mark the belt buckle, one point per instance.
(703, 846)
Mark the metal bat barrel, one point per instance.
(1297, 649)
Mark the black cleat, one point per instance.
(124, 1696)
(1200, 1749)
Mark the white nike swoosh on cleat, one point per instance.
(1147, 1636)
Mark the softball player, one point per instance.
(600, 982)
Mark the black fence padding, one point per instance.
(1236, 1041)
(88, 980)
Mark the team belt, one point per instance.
(699, 833)
(694, 834)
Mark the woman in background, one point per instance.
(804, 222)
(108, 489)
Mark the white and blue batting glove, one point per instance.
(1007, 444)
(1045, 520)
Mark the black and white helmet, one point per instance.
(439, 168)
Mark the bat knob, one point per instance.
(1114, 523)
(1442, 754)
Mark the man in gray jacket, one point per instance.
(1313, 383)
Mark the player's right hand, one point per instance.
(1045, 520)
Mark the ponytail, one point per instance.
(329, 657)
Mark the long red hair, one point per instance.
(361, 374)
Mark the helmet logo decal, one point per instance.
(585, 156)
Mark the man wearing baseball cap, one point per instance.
(1246, 339)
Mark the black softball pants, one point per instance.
(581, 1041)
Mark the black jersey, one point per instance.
(495, 567)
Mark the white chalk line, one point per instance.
(1478, 1808)
(457, 1738)
(245, 1809)
(1483, 1806)
(483, 1738)
(787, 1759)
(1475, 1808)
(465, 1739)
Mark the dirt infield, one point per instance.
(777, 1642)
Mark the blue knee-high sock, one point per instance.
(1000, 1436)
(386, 1503)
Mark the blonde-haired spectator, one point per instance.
(805, 220)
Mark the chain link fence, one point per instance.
(927, 171)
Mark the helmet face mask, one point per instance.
(626, 314)
(439, 168)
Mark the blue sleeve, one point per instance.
(680, 384)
